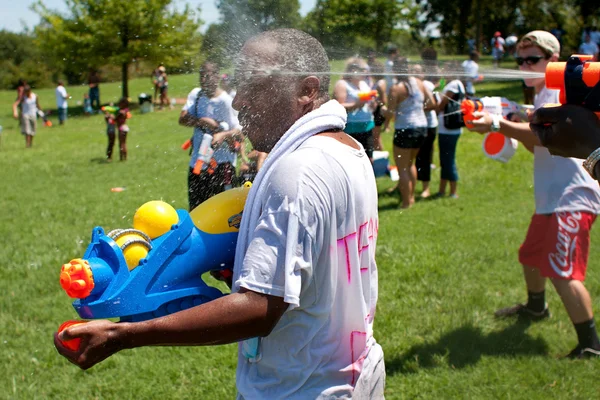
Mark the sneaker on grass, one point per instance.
(522, 311)
(583, 353)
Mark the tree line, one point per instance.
(131, 38)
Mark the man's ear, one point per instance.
(309, 90)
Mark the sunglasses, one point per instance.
(531, 60)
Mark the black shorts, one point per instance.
(410, 138)
(366, 139)
(378, 116)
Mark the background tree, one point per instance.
(99, 32)
(243, 19)
(20, 58)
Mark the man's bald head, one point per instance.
(281, 75)
(294, 51)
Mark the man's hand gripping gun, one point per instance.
(155, 268)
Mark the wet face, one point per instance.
(209, 78)
(265, 101)
(535, 60)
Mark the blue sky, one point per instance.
(17, 14)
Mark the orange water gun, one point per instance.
(366, 96)
(578, 80)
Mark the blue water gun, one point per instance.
(155, 268)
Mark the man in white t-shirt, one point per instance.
(61, 102)
(589, 47)
(471, 69)
(305, 293)
(209, 111)
(567, 201)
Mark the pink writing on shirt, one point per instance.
(354, 247)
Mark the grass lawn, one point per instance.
(445, 266)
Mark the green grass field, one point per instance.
(445, 266)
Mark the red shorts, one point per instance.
(558, 244)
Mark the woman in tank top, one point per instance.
(407, 103)
(347, 92)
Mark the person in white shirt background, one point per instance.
(589, 47)
(61, 102)
(567, 201)
(471, 69)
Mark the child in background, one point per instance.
(121, 119)
(117, 121)
(110, 132)
(87, 104)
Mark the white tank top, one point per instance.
(28, 105)
(409, 113)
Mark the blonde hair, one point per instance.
(354, 64)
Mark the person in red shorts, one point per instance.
(567, 201)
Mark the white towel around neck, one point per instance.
(331, 115)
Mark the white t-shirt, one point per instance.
(432, 121)
(589, 48)
(218, 108)
(29, 105)
(61, 97)
(452, 88)
(471, 70)
(561, 184)
(316, 236)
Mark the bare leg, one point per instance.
(404, 164)
(576, 299)
(425, 193)
(377, 138)
(413, 174)
(453, 185)
(443, 184)
(533, 279)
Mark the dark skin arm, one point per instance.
(186, 119)
(229, 319)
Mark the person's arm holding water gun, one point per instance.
(567, 131)
(483, 121)
(340, 93)
(186, 119)
(228, 319)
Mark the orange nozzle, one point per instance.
(555, 75)
(187, 144)
(72, 344)
(198, 167)
(366, 96)
(76, 278)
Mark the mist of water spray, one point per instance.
(495, 74)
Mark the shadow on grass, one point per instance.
(464, 347)
(100, 160)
